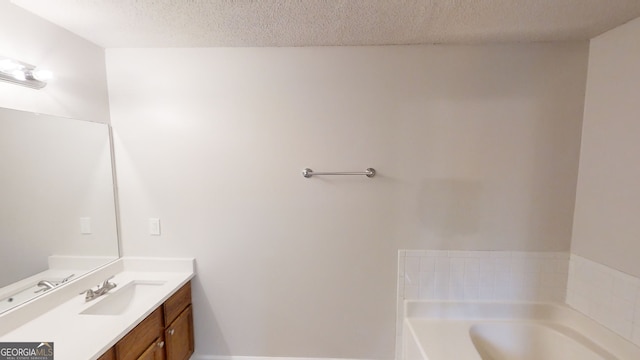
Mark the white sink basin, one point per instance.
(118, 301)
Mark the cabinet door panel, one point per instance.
(154, 352)
(138, 339)
(179, 336)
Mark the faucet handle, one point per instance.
(90, 294)
(107, 284)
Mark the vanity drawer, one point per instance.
(177, 303)
(138, 340)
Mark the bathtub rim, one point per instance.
(468, 313)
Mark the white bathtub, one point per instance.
(507, 331)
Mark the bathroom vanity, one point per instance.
(165, 334)
(148, 315)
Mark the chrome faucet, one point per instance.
(91, 294)
(46, 285)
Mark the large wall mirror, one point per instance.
(57, 203)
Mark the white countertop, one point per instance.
(86, 337)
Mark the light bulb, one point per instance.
(9, 66)
(18, 75)
(42, 74)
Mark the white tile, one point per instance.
(623, 309)
(579, 303)
(472, 265)
(427, 264)
(599, 312)
(436, 253)
(412, 270)
(503, 292)
(411, 264)
(471, 279)
(486, 293)
(401, 264)
(486, 280)
(487, 266)
(463, 254)
(625, 286)
(412, 292)
(503, 279)
(456, 292)
(603, 279)
(426, 277)
(551, 294)
(428, 292)
(443, 265)
(622, 327)
(558, 295)
(600, 298)
(414, 253)
(441, 290)
(556, 281)
(427, 286)
(502, 265)
(525, 265)
(471, 293)
(548, 265)
(456, 279)
(456, 264)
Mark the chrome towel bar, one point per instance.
(369, 172)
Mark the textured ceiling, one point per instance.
(211, 23)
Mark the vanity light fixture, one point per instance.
(24, 74)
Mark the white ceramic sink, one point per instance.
(119, 301)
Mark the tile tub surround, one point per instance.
(479, 276)
(606, 295)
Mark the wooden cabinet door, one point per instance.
(179, 336)
(155, 351)
(132, 345)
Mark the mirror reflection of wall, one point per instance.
(57, 207)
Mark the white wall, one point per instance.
(79, 88)
(476, 148)
(606, 227)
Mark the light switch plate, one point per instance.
(85, 225)
(154, 226)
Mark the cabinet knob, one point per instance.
(171, 331)
(161, 344)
